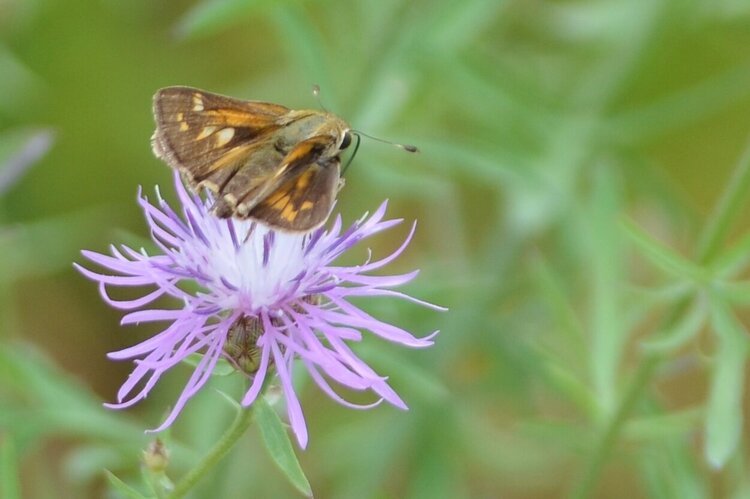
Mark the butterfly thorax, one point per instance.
(304, 124)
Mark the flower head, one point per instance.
(265, 298)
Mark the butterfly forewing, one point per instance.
(200, 132)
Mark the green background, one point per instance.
(573, 155)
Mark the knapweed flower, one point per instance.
(263, 300)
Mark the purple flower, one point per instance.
(265, 298)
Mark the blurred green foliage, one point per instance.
(582, 204)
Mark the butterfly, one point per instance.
(262, 161)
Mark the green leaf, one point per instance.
(726, 209)
(553, 291)
(605, 260)
(47, 245)
(663, 257)
(57, 402)
(666, 426)
(734, 259)
(670, 472)
(18, 81)
(724, 415)
(570, 385)
(682, 330)
(681, 108)
(123, 488)
(736, 292)
(10, 486)
(305, 46)
(33, 149)
(276, 439)
(212, 16)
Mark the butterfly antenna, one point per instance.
(405, 147)
(316, 94)
(356, 148)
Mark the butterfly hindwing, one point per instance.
(301, 202)
(297, 174)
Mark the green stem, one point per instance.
(723, 216)
(612, 431)
(726, 209)
(222, 447)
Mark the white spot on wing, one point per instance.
(206, 132)
(197, 102)
(224, 135)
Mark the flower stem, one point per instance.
(222, 447)
(723, 216)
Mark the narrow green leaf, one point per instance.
(663, 257)
(669, 471)
(212, 16)
(681, 108)
(483, 163)
(279, 446)
(683, 329)
(604, 242)
(10, 486)
(734, 259)
(665, 426)
(19, 81)
(724, 415)
(33, 149)
(48, 245)
(305, 46)
(736, 292)
(570, 385)
(553, 291)
(59, 403)
(726, 210)
(123, 488)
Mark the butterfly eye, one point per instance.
(346, 141)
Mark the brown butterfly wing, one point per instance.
(298, 196)
(301, 202)
(209, 137)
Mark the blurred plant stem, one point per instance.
(240, 424)
(611, 432)
(724, 213)
(728, 206)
